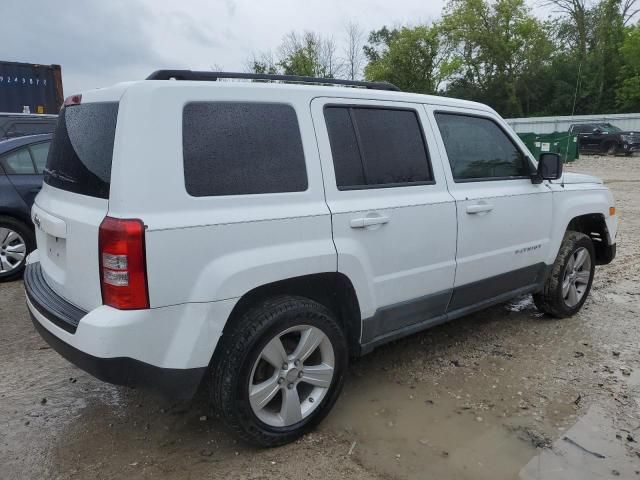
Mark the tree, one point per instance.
(499, 47)
(309, 54)
(262, 63)
(628, 92)
(305, 54)
(353, 51)
(414, 58)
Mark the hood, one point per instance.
(570, 177)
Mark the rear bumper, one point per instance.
(166, 349)
(172, 383)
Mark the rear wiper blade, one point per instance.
(59, 175)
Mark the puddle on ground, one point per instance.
(400, 430)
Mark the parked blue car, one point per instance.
(22, 161)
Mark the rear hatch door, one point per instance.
(75, 199)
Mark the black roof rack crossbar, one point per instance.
(213, 76)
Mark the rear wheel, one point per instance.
(568, 285)
(279, 370)
(16, 242)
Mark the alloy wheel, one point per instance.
(13, 249)
(291, 376)
(576, 277)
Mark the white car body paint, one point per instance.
(205, 253)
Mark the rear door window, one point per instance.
(81, 152)
(377, 147)
(233, 148)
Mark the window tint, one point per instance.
(344, 148)
(478, 148)
(18, 162)
(39, 153)
(81, 152)
(376, 147)
(242, 148)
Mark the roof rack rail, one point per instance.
(214, 76)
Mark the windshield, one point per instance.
(608, 127)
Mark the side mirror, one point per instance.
(549, 167)
(597, 131)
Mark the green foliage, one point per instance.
(584, 59)
(628, 92)
(414, 58)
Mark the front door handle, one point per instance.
(365, 222)
(479, 208)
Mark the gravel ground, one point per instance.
(477, 398)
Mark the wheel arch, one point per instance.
(331, 289)
(595, 227)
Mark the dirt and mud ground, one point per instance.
(478, 398)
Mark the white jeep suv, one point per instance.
(253, 235)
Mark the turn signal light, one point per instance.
(612, 211)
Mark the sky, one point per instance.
(100, 42)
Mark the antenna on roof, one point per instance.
(215, 76)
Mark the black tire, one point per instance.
(26, 232)
(551, 300)
(611, 149)
(232, 366)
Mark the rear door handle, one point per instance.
(368, 221)
(479, 208)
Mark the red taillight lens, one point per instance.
(123, 270)
(73, 100)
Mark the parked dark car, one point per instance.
(14, 125)
(605, 138)
(22, 161)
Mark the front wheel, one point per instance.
(611, 149)
(279, 370)
(569, 282)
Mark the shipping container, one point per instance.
(32, 87)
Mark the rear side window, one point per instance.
(39, 152)
(478, 149)
(377, 147)
(18, 162)
(233, 148)
(81, 152)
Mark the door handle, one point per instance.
(479, 208)
(365, 222)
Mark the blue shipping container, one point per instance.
(38, 87)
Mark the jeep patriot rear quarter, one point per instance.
(255, 235)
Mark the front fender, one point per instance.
(576, 200)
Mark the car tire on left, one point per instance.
(17, 240)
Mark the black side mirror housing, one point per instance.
(549, 167)
(597, 131)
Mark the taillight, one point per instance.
(123, 270)
(73, 100)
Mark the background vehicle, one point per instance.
(38, 87)
(605, 138)
(256, 235)
(22, 161)
(14, 125)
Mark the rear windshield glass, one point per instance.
(80, 156)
